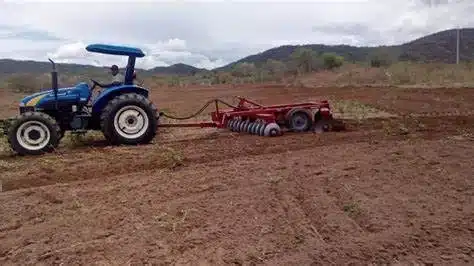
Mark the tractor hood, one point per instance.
(34, 99)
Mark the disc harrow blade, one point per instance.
(254, 128)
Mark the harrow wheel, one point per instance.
(129, 119)
(33, 133)
(299, 120)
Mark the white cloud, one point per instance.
(76, 53)
(210, 34)
(170, 45)
(159, 54)
(72, 50)
(175, 51)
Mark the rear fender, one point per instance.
(108, 94)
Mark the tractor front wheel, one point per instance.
(129, 119)
(33, 133)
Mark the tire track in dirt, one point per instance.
(132, 163)
(444, 114)
(321, 211)
(178, 191)
(231, 145)
(296, 216)
(203, 152)
(74, 175)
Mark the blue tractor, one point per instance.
(123, 112)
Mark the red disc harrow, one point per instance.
(251, 117)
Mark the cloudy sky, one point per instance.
(209, 34)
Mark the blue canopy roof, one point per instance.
(115, 50)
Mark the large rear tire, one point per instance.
(129, 119)
(33, 133)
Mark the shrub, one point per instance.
(332, 61)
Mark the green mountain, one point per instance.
(440, 47)
(437, 47)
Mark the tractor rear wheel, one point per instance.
(33, 133)
(129, 119)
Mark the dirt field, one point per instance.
(393, 189)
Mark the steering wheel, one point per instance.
(94, 83)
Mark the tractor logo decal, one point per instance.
(35, 100)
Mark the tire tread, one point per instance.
(25, 117)
(106, 115)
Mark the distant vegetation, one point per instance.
(439, 47)
(427, 60)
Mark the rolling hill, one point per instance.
(176, 69)
(9, 66)
(283, 53)
(437, 47)
(440, 47)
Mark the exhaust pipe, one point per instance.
(54, 82)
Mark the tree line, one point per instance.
(301, 61)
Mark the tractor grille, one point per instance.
(25, 109)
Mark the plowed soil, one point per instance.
(392, 189)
